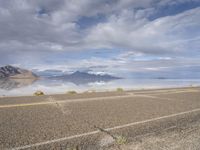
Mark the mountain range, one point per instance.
(84, 78)
(14, 77)
(9, 72)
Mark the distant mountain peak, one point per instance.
(80, 73)
(77, 72)
(79, 77)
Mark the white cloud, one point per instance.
(36, 28)
(167, 34)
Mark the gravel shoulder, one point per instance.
(180, 137)
(151, 119)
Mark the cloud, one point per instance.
(168, 34)
(38, 32)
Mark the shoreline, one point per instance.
(102, 92)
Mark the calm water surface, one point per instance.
(28, 87)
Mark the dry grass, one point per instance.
(38, 93)
(120, 140)
(71, 92)
(119, 90)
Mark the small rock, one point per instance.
(106, 141)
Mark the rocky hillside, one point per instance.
(85, 75)
(15, 72)
(84, 78)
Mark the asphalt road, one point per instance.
(63, 121)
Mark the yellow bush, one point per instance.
(71, 92)
(38, 93)
(121, 140)
(120, 90)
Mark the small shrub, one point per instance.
(120, 140)
(120, 90)
(38, 93)
(71, 92)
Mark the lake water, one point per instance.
(28, 87)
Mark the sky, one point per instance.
(112, 36)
